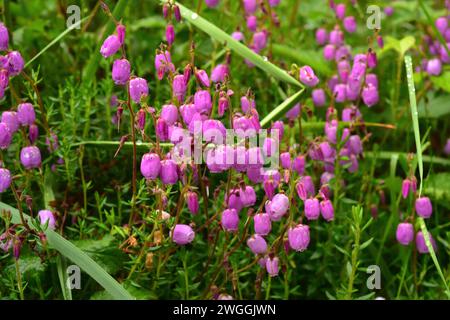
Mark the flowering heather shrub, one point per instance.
(196, 168)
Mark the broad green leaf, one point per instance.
(219, 35)
(437, 107)
(401, 46)
(442, 81)
(80, 258)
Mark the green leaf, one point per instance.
(437, 107)
(219, 35)
(442, 81)
(281, 109)
(304, 57)
(414, 115)
(80, 258)
(54, 41)
(401, 46)
(366, 244)
(415, 120)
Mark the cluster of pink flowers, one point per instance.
(423, 208)
(15, 121)
(437, 54)
(354, 79)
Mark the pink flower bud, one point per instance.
(405, 233)
(183, 234)
(202, 101)
(170, 34)
(441, 24)
(329, 52)
(150, 165)
(326, 209)
(30, 157)
(321, 36)
(5, 136)
(220, 73)
(25, 114)
(4, 37)
(121, 71)
(46, 216)
(187, 111)
(11, 119)
(318, 97)
(350, 24)
(340, 93)
(262, 224)
(312, 209)
(308, 77)
(223, 106)
(110, 46)
(339, 9)
(406, 187)
(299, 237)
(230, 220)
(272, 266)
(247, 196)
(192, 202)
(259, 40)
(252, 23)
(237, 35)
(212, 3)
(179, 87)
(169, 113)
(331, 130)
(250, 6)
(138, 89)
(285, 159)
(177, 13)
(299, 164)
(163, 64)
(203, 78)
(234, 201)
(424, 207)
(380, 41)
(372, 59)
(15, 63)
(169, 172)
(434, 67)
(162, 129)
(421, 244)
(370, 95)
(336, 37)
(257, 244)
(5, 179)
(121, 30)
(278, 206)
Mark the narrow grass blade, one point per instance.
(94, 61)
(281, 109)
(415, 120)
(54, 41)
(69, 250)
(219, 35)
